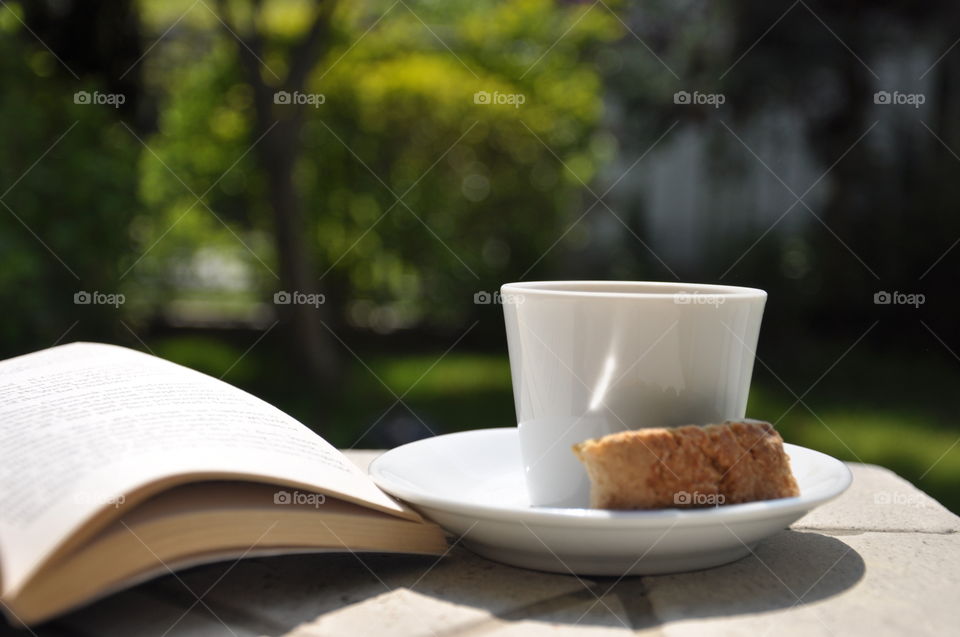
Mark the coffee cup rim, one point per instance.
(630, 289)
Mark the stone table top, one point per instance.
(882, 559)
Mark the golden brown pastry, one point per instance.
(687, 467)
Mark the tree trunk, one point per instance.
(311, 343)
(277, 152)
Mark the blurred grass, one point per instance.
(880, 418)
(916, 443)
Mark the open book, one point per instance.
(116, 466)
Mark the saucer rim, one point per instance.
(556, 516)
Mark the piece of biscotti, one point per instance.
(688, 466)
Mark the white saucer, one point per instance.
(471, 483)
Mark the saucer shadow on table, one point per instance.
(789, 569)
(274, 596)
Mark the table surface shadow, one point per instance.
(881, 559)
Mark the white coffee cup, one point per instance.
(589, 358)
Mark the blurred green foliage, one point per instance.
(480, 193)
(68, 193)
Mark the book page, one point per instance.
(81, 425)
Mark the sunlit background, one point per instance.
(317, 201)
